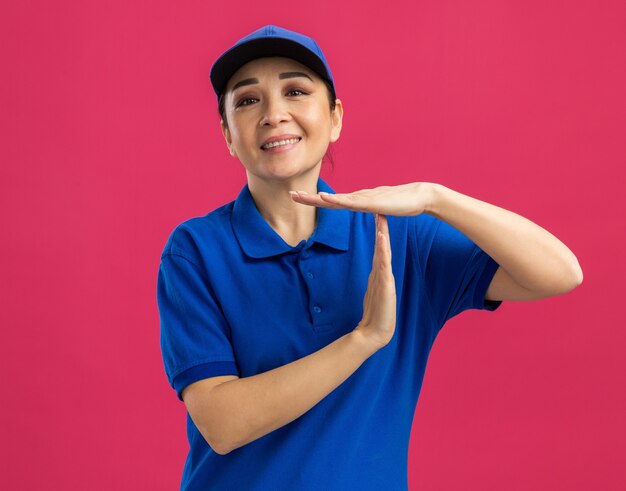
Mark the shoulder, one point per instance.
(424, 229)
(420, 228)
(191, 237)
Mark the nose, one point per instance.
(275, 112)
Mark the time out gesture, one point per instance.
(533, 263)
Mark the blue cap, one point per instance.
(269, 41)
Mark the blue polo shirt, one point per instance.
(235, 298)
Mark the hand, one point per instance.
(403, 200)
(379, 305)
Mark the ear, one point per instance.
(227, 137)
(336, 119)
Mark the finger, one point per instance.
(380, 234)
(384, 227)
(382, 219)
(382, 246)
(315, 203)
(376, 245)
(332, 197)
(376, 255)
(305, 198)
(351, 201)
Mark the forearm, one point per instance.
(531, 255)
(246, 409)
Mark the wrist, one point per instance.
(367, 344)
(436, 194)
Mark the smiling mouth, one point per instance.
(280, 143)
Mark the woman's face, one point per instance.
(279, 97)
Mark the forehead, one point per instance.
(268, 67)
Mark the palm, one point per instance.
(402, 200)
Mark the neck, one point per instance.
(293, 221)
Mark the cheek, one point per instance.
(240, 136)
(317, 123)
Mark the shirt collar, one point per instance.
(258, 239)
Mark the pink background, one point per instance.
(110, 138)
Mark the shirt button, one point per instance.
(317, 309)
(310, 275)
(305, 254)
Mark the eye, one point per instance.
(291, 92)
(301, 92)
(243, 102)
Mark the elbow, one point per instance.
(562, 283)
(571, 280)
(212, 431)
(577, 275)
(223, 445)
(212, 414)
(222, 437)
(219, 447)
(220, 450)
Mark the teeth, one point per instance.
(281, 142)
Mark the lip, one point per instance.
(278, 138)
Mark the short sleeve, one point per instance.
(195, 337)
(456, 271)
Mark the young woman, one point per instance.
(296, 339)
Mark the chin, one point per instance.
(282, 171)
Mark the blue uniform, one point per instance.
(235, 298)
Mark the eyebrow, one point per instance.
(250, 81)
